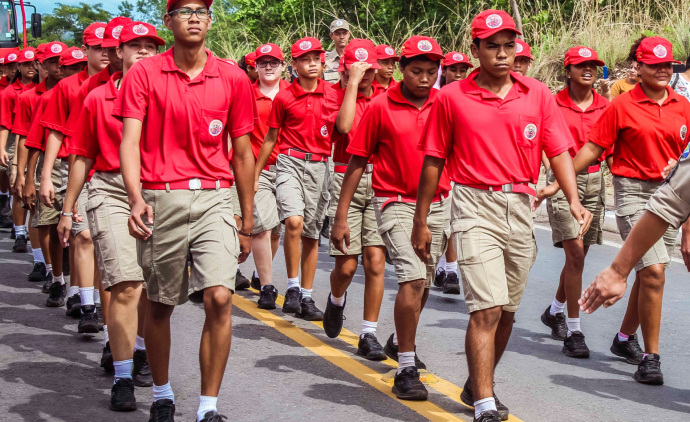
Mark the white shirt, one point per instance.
(682, 86)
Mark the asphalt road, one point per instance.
(281, 368)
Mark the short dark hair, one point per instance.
(566, 80)
(404, 61)
(687, 63)
(632, 55)
(476, 41)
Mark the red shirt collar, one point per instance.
(210, 70)
(396, 95)
(563, 99)
(83, 75)
(19, 86)
(639, 96)
(111, 91)
(469, 86)
(5, 81)
(104, 75)
(298, 91)
(259, 95)
(41, 87)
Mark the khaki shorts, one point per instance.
(10, 147)
(81, 206)
(235, 200)
(494, 241)
(590, 187)
(630, 198)
(671, 201)
(188, 225)
(265, 206)
(361, 217)
(108, 211)
(300, 190)
(48, 216)
(395, 227)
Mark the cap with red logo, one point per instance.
(27, 55)
(384, 52)
(306, 45)
(580, 54)
(53, 49)
(522, 49)
(93, 34)
(419, 45)
(454, 58)
(111, 38)
(359, 50)
(271, 50)
(72, 55)
(250, 59)
(172, 3)
(654, 50)
(135, 30)
(11, 56)
(492, 21)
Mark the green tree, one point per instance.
(67, 23)
(126, 9)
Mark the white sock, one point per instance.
(306, 293)
(49, 268)
(60, 279)
(338, 301)
(20, 230)
(123, 369)
(206, 404)
(6, 193)
(405, 359)
(256, 275)
(293, 282)
(556, 307)
(86, 294)
(106, 338)
(395, 338)
(97, 296)
(139, 344)
(67, 278)
(73, 290)
(452, 267)
(623, 337)
(441, 264)
(369, 327)
(573, 325)
(38, 255)
(484, 405)
(161, 392)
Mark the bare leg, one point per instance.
(408, 307)
(631, 320)
(374, 259)
(122, 329)
(342, 274)
(310, 257)
(291, 245)
(55, 250)
(275, 243)
(84, 259)
(480, 345)
(263, 257)
(157, 338)
(215, 339)
(652, 280)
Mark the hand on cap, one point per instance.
(340, 235)
(667, 170)
(608, 288)
(137, 228)
(357, 71)
(583, 216)
(421, 241)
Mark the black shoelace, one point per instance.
(635, 346)
(163, 413)
(652, 365)
(122, 390)
(578, 341)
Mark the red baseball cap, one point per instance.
(454, 58)
(111, 38)
(580, 54)
(11, 56)
(359, 50)
(384, 52)
(419, 45)
(271, 50)
(522, 49)
(72, 55)
(322, 57)
(135, 30)
(27, 55)
(54, 49)
(172, 3)
(492, 21)
(250, 59)
(41, 51)
(306, 45)
(654, 50)
(93, 34)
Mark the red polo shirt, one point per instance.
(644, 135)
(98, 134)
(8, 102)
(380, 88)
(299, 116)
(187, 124)
(4, 83)
(38, 135)
(492, 141)
(56, 113)
(389, 133)
(263, 107)
(332, 105)
(25, 109)
(581, 122)
(101, 78)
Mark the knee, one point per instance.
(83, 240)
(217, 299)
(415, 286)
(293, 224)
(486, 318)
(654, 278)
(125, 293)
(576, 259)
(158, 311)
(375, 264)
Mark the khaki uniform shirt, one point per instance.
(332, 61)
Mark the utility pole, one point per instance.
(518, 20)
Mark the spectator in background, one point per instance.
(340, 35)
(248, 64)
(523, 57)
(680, 82)
(632, 78)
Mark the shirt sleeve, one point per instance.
(329, 109)
(133, 99)
(85, 136)
(277, 115)
(35, 136)
(22, 118)
(76, 109)
(437, 136)
(7, 101)
(57, 109)
(242, 112)
(605, 131)
(366, 138)
(556, 137)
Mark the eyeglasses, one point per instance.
(186, 13)
(264, 64)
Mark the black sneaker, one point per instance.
(255, 283)
(162, 411)
(141, 372)
(38, 273)
(65, 262)
(308, 310)
(13, 235)
(107, 358)
(488, 416)
(213, 416)
(333, 317)
(19, 244)
(122, 396)
(391, 350)
(73, 306)
(370, 348)
(468, 398)
(559, 329)
(649, 370)
(267, 297)
(629, 350)
(99, 314)
(47, 282)
(574, 345)
(88, 320)
(56, 295)
(291, 304)
(440, 278)
(407, 386)
(451, 286)
(241, 282)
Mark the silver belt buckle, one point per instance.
(370, 168)
(307, 156)
(507, 188)
(195, 184)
